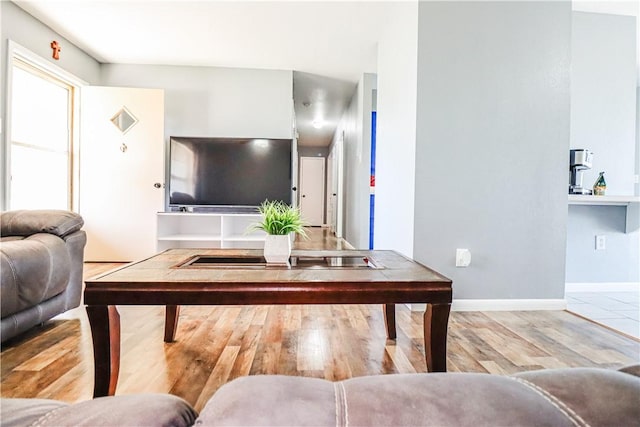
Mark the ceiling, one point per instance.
(328, 44)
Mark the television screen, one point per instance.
(229, 171)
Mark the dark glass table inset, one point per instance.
(178, 277)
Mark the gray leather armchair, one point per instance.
(41, 256)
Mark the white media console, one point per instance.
(208, 230)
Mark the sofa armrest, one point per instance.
(27, 222)
(600, 397)
(76, 242)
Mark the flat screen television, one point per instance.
(228, 172)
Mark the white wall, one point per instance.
(492, 142)
(603, 96)
(355, 124)
(305, 151)
(215, 101)
(347, 130)
(396, 131)
(357, 164)
(636, 190)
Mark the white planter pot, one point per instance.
(277, 249)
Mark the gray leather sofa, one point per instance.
(41, 256)
(552, 397)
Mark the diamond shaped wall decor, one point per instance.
(124, 120)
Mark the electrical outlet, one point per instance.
(601, 243)
(636, 179)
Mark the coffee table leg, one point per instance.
(390, 320)
(171, 322)
(105, 332)
(436, 318)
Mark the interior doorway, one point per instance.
(335, 185)
(312, 190)
(331, 193)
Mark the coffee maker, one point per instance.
(579, 161)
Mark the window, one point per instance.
(41, 139)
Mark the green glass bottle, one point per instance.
(600, 186)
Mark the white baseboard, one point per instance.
(603, 287)
(508, 304)
(501, 305)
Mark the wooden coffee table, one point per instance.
(239, 277)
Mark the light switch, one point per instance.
(463, 257)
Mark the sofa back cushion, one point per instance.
(32, 270)
(28, 222)
(128, 410)
(563, 397)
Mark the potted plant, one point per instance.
(279, 220)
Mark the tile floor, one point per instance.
(617, 310)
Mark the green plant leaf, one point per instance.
(280, 218)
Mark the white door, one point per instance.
(121, 171)
(312, 189)
(331, 194)
(338, 185)
(294, 167)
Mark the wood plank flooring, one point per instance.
(217, 344)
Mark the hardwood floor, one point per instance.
(217, 344)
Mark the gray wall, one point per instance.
(603, 96)
(492, 145)
(215, 101)
(22, 28)
(604, 115)
(617, 263)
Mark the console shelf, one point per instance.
(191, 237)
(208, 230)
(577, 199)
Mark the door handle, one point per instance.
(157, 185)
(304, 195)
